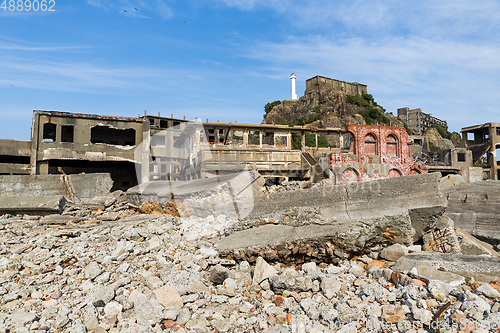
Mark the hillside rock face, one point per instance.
(433, 136)
(330, 104)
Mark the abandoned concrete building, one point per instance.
(320, 83)
(418, 121)
(447, 161)
(484, 140)
(134, 150)
(154, 147)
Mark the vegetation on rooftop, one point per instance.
(374, 113)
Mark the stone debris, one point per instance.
(140, 274)
(106, 266)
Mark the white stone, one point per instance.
(168, 296)
(112, 309)
(262, 271)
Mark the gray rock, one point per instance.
(393, 252)
(101, 293)
(184, 316)
(148, 311)
(488, 291)
(280, 283)
(218, 274)
(78, 328)
(92, 270)
(330, 283)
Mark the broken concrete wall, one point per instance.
(34, 205)
(472, 174)
(351, 218)
(14, 157)
(475, 208)
(85, 187)
(376, 152)
(230, 195)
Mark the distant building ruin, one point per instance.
(374, 152)
(320, 83)
(484, 141)
(418, 121)
(144, 148)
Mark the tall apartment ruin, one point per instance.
(418, 121)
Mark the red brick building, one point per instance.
(374, 152)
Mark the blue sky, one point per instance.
(225, 59)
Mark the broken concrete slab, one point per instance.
(84, 187)
(472, 246)
(58, 219)
(350, 218)
(481, 268)
(41, 205)
(418, 194)
(442, 238)
(450, 181)
(231, 195)
(428, 274)
(475, 208)
(315, 242)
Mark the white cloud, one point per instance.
(85, 77)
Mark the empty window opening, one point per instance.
(461, 157)
(177, 123)
(11, 159)
(163, 123)
(392, 145)
(370, 144)
(417, 142)
(254, 138)
(237, 137)
(67, 133)
(49, 132)
(498, 131)
(222, 136)
(112, 136)
(157, 140)
(281, 140)
(268, 138)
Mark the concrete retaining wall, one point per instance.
(85, 186)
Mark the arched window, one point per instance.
(392, 145)
(370, 144)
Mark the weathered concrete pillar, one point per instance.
(260, 139)
(316, 137)
(289, 141)
(34, 142)
(303, 142)
(245, 138)
(42, 168)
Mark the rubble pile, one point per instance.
(285, 185)
(142, 274)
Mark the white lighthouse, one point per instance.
(294, 95)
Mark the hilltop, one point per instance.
(330, 108)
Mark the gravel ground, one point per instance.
(156, 273)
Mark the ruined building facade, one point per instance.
(418, 121)
(321, 83)
(484, 141)
(374, 152)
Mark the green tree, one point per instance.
(270, 106)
